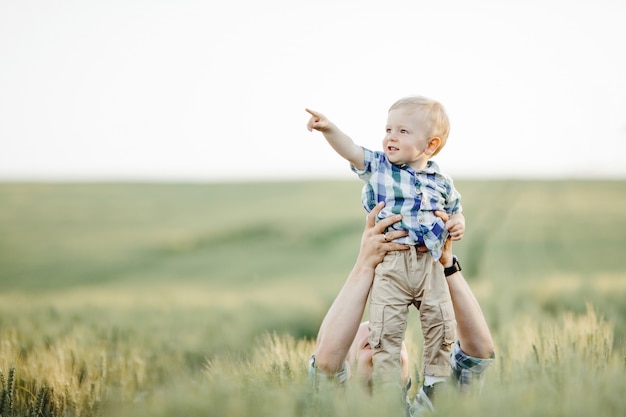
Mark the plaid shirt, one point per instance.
(468, 370)
(415, 195)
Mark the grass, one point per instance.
(204, 299)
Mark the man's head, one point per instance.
(360, 356)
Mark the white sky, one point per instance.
(208, 90)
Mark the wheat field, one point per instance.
(205, 299)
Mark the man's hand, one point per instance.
(375, 243)
(446, 254)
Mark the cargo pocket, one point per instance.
(449, 323)
(376, 324)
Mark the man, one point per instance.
(342, 347)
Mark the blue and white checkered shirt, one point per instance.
(414, 194)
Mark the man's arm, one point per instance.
(340, 142)
(471, 325)
(342, 320)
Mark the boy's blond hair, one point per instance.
(433, 115)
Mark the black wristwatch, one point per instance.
(455, 267)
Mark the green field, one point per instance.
(204, 299)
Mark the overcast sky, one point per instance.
(212, 90)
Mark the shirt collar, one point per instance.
(431, 167)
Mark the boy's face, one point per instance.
(405, 140)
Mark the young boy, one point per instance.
(410, 183)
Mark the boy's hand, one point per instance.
(317, 121)
(339, 141)
(455, 224)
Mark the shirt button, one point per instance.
(420, 219)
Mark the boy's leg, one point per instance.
(389, 301)
(438, 328)
(437, 319)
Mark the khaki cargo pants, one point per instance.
(406, 278)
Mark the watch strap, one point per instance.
(454, 268)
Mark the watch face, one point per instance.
(457, 266)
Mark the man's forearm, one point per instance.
(341, 323)
(472, 329)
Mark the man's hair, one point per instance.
(433, 114)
